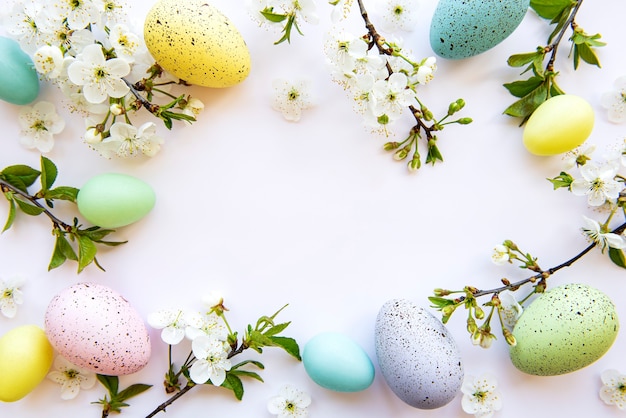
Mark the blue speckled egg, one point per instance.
(418, 357)
(564, 330)
(336, 362)
(464, 28)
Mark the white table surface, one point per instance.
(317, 215)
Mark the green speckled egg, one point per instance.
(195, 42)
(464, 28)
(564, 330)
(19, 82)
(112, 200)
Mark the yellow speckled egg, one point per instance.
(197, 43)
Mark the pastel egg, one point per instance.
(112, 200)
(558, 125)
(197, 43)
(19, 82)
(25, 358)
(336, 362)
(417, 356)
(94, 327)
(462, 29)
(564, 330)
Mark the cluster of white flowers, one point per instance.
(207, 334)
(604, 186)
(382, 86)
(88, 50)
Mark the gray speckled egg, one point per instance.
(417, 356)
(564, 330)
(197, 43)
(464, 28)
(94, 327)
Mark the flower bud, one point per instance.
(414, 164)
(116, 109)
(401, 154)
(448, 310)
(390, 146)
(471, 325)
(453, 108)
(508, 336)
(460, 103)
(428, 115)
(93, 136)
(441, 292)
(478, 311)
(465, 121)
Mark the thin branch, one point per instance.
(554, 46)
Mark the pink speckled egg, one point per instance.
(94, 327)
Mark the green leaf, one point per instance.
(132, 390)
(519, 60)
(48, 173)
(61, 193)
(28, 208)
(12, 211)
(233, 383)
(550, 9)
(276, 329)
(86, 252)
(525, 106)
(247, 373)
(288, 344)
(95, 233)
(587, 54)
(110, 383)
(617, 256)
(562, 180)
(522, 88)
(245, 362)
(439, 302)
(20, 176)
(273, 17)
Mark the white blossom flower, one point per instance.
(501, 254)
(425, 72)
(290, 98)
(614, 390)
(71, 378)
(483, 337)
(25, 24)
(392, 96)
(172, 323)
(343, 50)
(10, 296)
(125, 43)
(511, 310)
(290, 403)
(481, 396)
(79, 13)
(305, 10)
(193, 107)
(597, 183)
(127, 140)
(593, 230)
(341, 9)
(615, 101)
(39, 123)
(48, 61)
(211, 360)
(399, 15)
(212, 299)
(578, 156)
(111, 11)
(98, 76)
(209, 325)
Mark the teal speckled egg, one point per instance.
(19, 82)
(336, 362)
(564, 330)
(464, 28)
(112, 200)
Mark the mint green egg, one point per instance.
(462, 29)
(113, 200)
(564, 330)
(19, 82)
(336, 362)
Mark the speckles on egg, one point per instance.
(94, 327)
(461, 29)
(417, 356)
(564, 330)
(197, 43)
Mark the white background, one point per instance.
(317, 215)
